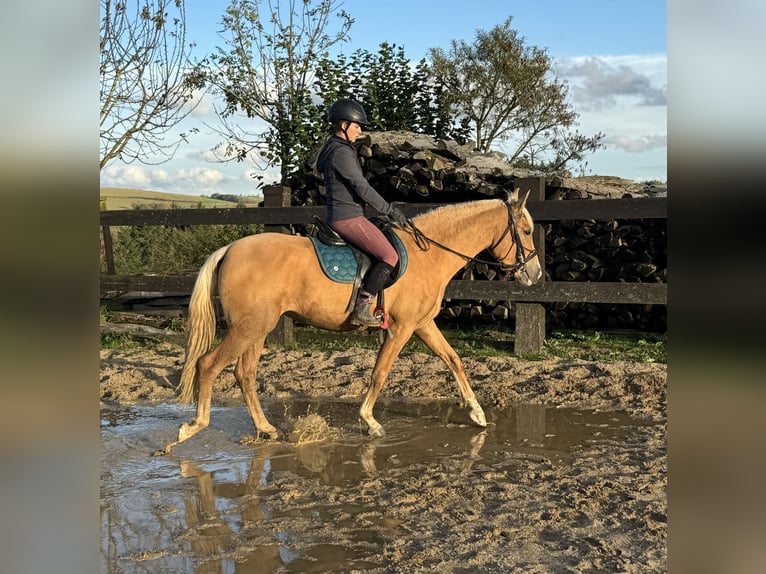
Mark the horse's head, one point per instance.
(516, 247)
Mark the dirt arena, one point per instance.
(569, 476)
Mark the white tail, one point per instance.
(200, 328)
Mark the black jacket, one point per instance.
(347, 189)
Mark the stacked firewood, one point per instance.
(633, 251)
(414, 168)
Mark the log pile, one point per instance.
(632, 251)
(415, 168)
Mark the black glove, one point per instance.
(397, 216)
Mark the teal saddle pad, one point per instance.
(339, 263)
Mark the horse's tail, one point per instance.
(200, 329)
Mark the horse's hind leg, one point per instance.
(435, 341)
(245, 372)
(209, 366)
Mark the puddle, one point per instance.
(216, 505)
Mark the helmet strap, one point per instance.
(345, 130)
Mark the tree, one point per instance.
(147, 82)
(511, 94)
(265, 72)
(394, 95)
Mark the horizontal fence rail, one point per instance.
(530, 315)
(546, 292)
(650, 208)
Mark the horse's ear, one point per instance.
(513, 198)
(523, 200)
(509, 197)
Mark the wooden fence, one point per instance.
(530, 313)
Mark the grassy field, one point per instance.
(123, 198)
(490, 342)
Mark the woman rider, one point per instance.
(348, 192)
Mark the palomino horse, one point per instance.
(261, 277)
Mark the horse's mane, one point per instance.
(447, 216)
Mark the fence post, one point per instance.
(530, 317)
(279, 196)
(106, 233)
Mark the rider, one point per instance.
(348, 192)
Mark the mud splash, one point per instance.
(549, 483)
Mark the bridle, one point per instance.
(424, 243)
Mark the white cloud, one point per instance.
(135, 176)
(638, 144)
(210, 155)
(216, 153)
(625, 98)
(203, 105)
(600, 82)
(196, 180)
(198, 177)
(158, 175)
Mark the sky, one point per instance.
(612, 54)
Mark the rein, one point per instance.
(423, 242)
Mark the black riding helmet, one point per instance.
(348, 110)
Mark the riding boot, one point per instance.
(375, 279)
(373, 282)
(361, 314)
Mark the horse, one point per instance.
(261, 277)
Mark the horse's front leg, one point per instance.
(392, 346)
(433, 338)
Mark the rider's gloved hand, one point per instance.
(397, 216)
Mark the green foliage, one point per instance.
(497, 341)
(122, 342)
(275, 67)
(172, 249)
(394, 95)
(265, 71)
(598, 346)
(511, 94)
(239, 200)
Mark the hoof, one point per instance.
(186, 430)
(376, 432)
(477, 416)
(273, 434)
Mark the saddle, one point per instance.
(343, 263)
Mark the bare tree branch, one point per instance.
(147, 81)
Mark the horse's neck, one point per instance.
(467, 229)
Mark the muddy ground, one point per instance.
(570, 475)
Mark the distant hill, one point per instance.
(124, 198)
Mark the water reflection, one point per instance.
(224, 507)
(208, 531)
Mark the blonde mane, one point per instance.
(446, 217)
